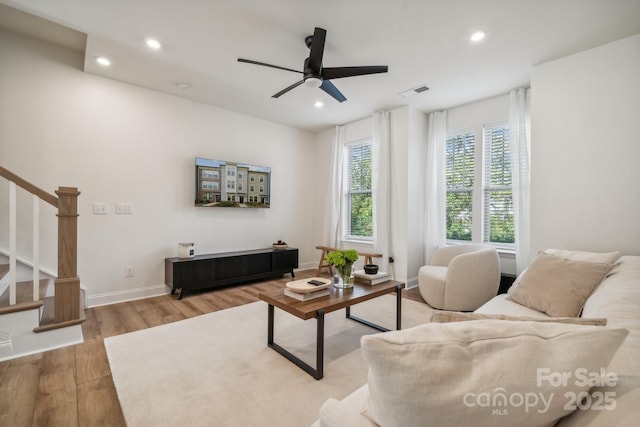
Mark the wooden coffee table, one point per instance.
(317, 308)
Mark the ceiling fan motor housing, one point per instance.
(310, 78)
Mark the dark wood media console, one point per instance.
(215, 270)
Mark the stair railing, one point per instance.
(67, 284)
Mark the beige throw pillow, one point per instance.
(487, 372)
(598, 257)
(557, 286)
(456, 316)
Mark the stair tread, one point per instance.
(47, 321)
(4, 269)
(24, 295)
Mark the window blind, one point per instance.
(459, 173)
(497, 192)
(358, 218)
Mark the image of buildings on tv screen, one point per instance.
(229, 184)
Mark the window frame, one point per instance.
(462, 189)
(348, 193)
(480, 206)
(488, 188)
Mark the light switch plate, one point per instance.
(124, 208)
(100, 209)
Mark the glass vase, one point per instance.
(345, 277)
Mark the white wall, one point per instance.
(585, 117)
(120, 143)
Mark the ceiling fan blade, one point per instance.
(287, 89)
(340, 72)
(249, 61)
(317, 50)
(328, 87)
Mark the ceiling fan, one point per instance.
(314, 75)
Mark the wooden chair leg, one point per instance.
(321, 264)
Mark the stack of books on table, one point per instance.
(370, 279)
(308, 289)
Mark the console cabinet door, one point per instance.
(228, 267)
(284, 260)
(193, 273)
(259, 264)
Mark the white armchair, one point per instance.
(460, 277)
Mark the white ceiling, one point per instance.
(422, 42)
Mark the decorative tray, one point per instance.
(304, 287)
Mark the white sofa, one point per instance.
(616, 298)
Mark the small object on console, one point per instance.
(370, 268)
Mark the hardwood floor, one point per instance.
(72, 386)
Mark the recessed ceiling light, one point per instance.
(184, 85)
(105, 62)
(318, 104)
(153, 44)
(477, 36)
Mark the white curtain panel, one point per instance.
(381, 187)
(520, 129)
(435, 197)
(335, 191)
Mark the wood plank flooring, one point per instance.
(73, 386)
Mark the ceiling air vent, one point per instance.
(414, 91)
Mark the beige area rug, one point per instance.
(216, 369)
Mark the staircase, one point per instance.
(39, 311)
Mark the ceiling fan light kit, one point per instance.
(313, 82)
(314, 74)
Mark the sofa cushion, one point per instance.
(503, 304)
(457, 373)
(558, 286)
(456, 316)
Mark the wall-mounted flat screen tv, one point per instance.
(226, 184)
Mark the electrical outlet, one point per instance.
(129, 271)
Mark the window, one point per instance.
(358, 206)
(460, 169)
(497, 192)
(209, 174)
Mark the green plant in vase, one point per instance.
(342, 261)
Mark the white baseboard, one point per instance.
(412, 282)
(307, 266)
(126, 295)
